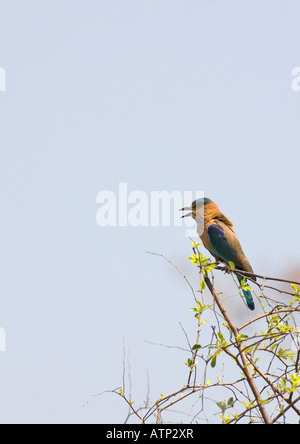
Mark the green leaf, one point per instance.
(209, 268)
(230, 402)
(220, 336)
(245, 285)
(248, 406)
(225, 419)
(191, 364)
(240, 337)
(222, 406)
(194, 258)
(199, 307)
(231, 265)
(196, 347)
(264, 401)
(195, 245)
(295, 380)
(214, 361)
(297, 289)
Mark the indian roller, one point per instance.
(218, 237)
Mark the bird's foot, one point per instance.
(227, 269)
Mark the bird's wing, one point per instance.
(226, 244)
(221, 243)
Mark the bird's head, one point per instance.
(196, 210)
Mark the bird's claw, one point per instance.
(227, 269)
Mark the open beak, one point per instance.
(188, 214)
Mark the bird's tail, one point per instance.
(247, 293)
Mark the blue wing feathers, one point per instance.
(223, 249)
(219, 242)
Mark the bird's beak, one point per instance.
(188, 214)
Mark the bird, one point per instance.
(218, 237)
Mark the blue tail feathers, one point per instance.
(247, 294)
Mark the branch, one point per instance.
(274, 388)
(240, 348)
(286, 310)
(254, 275)
(177, 268)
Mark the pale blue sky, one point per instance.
(166, 94)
